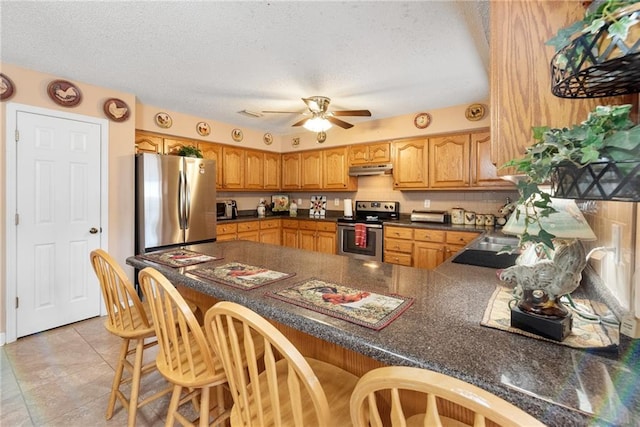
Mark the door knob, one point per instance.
(93, 230)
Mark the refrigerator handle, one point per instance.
(187, 204)
(181, 199)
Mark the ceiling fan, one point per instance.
(318, 106)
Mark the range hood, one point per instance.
(364, 170)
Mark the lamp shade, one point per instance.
(566, 223)
(317, 124)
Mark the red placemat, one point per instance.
(178, 257)
(369, 309)
(240, 275)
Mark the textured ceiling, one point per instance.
(214, 59)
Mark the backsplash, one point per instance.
(602, 217)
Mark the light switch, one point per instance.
(336, 202)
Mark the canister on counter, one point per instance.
(489, 219)
(480, 220)
(457, 216)
(469, 218)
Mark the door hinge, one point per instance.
(17, 219)
(17, 135)
(17, 302)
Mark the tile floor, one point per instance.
(62, 377)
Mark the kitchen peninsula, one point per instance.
(440, 331)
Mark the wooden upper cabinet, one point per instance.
(370, 153)
(271, 179)
(336, 169)
(172, 146)
(311, 171)
(232, 168)
(520, 82)
(213, 151)
(291, 171)
(253, 169)
(148, 143)
(483, 172)
(449, 161)
(410, 164)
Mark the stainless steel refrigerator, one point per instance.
(175, 201)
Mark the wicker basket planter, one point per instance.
(597, 65)
(598, 181)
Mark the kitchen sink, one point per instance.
(484, 252)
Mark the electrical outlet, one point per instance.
(427, 203)
(616, 237)
(299, 202)
(629, 326)
(336, 202)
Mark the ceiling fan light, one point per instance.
(317, 124)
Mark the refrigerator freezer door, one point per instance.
(157, 208)
(200, 195)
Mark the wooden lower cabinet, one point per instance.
(226, 231)
(318, 236)
(270, 231)
(249, 230)
(290, 233)
(421, 247)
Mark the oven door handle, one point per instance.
(352, 225)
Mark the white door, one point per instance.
(58, 221)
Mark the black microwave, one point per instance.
(226, 209)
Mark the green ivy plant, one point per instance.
(190, 151)
(597, 15)
(608, 134)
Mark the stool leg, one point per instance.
(204, 406)
(117, 378)
(173, 405)
(135, 383)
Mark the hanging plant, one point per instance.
(608, 135)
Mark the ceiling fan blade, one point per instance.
(300, 123)
(338, 122)
(284, 112)
(363, 113)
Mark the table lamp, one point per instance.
(540, 283)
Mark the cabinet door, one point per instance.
(271, 236)
(428, 255)
(252, 236)
(521, 96)
(326, 242)
(172, 146)
(307, 239)
(358, 154)
(449, 161)
(253, 169)
(291, 165)
(311, 170)
(483, 172)
(451, 250)
(271, 171)
(410, 164)
(336, 170)
(290, 237)
(213, 151)
(232, 168)
(148, 143)
(380, 153)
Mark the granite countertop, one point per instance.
(441, 331)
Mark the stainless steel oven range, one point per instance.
(361, 236)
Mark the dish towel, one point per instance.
(361, 235)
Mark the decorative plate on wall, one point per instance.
(64, 93)
(422, 120)
(475, 112)
(267, 138)
(163, 120)
(236, 134)
(6, 87)
(203, 128)
(116, 109)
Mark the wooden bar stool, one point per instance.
(126, 318)
(473, 406)
(185, 358)
(281, 387)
